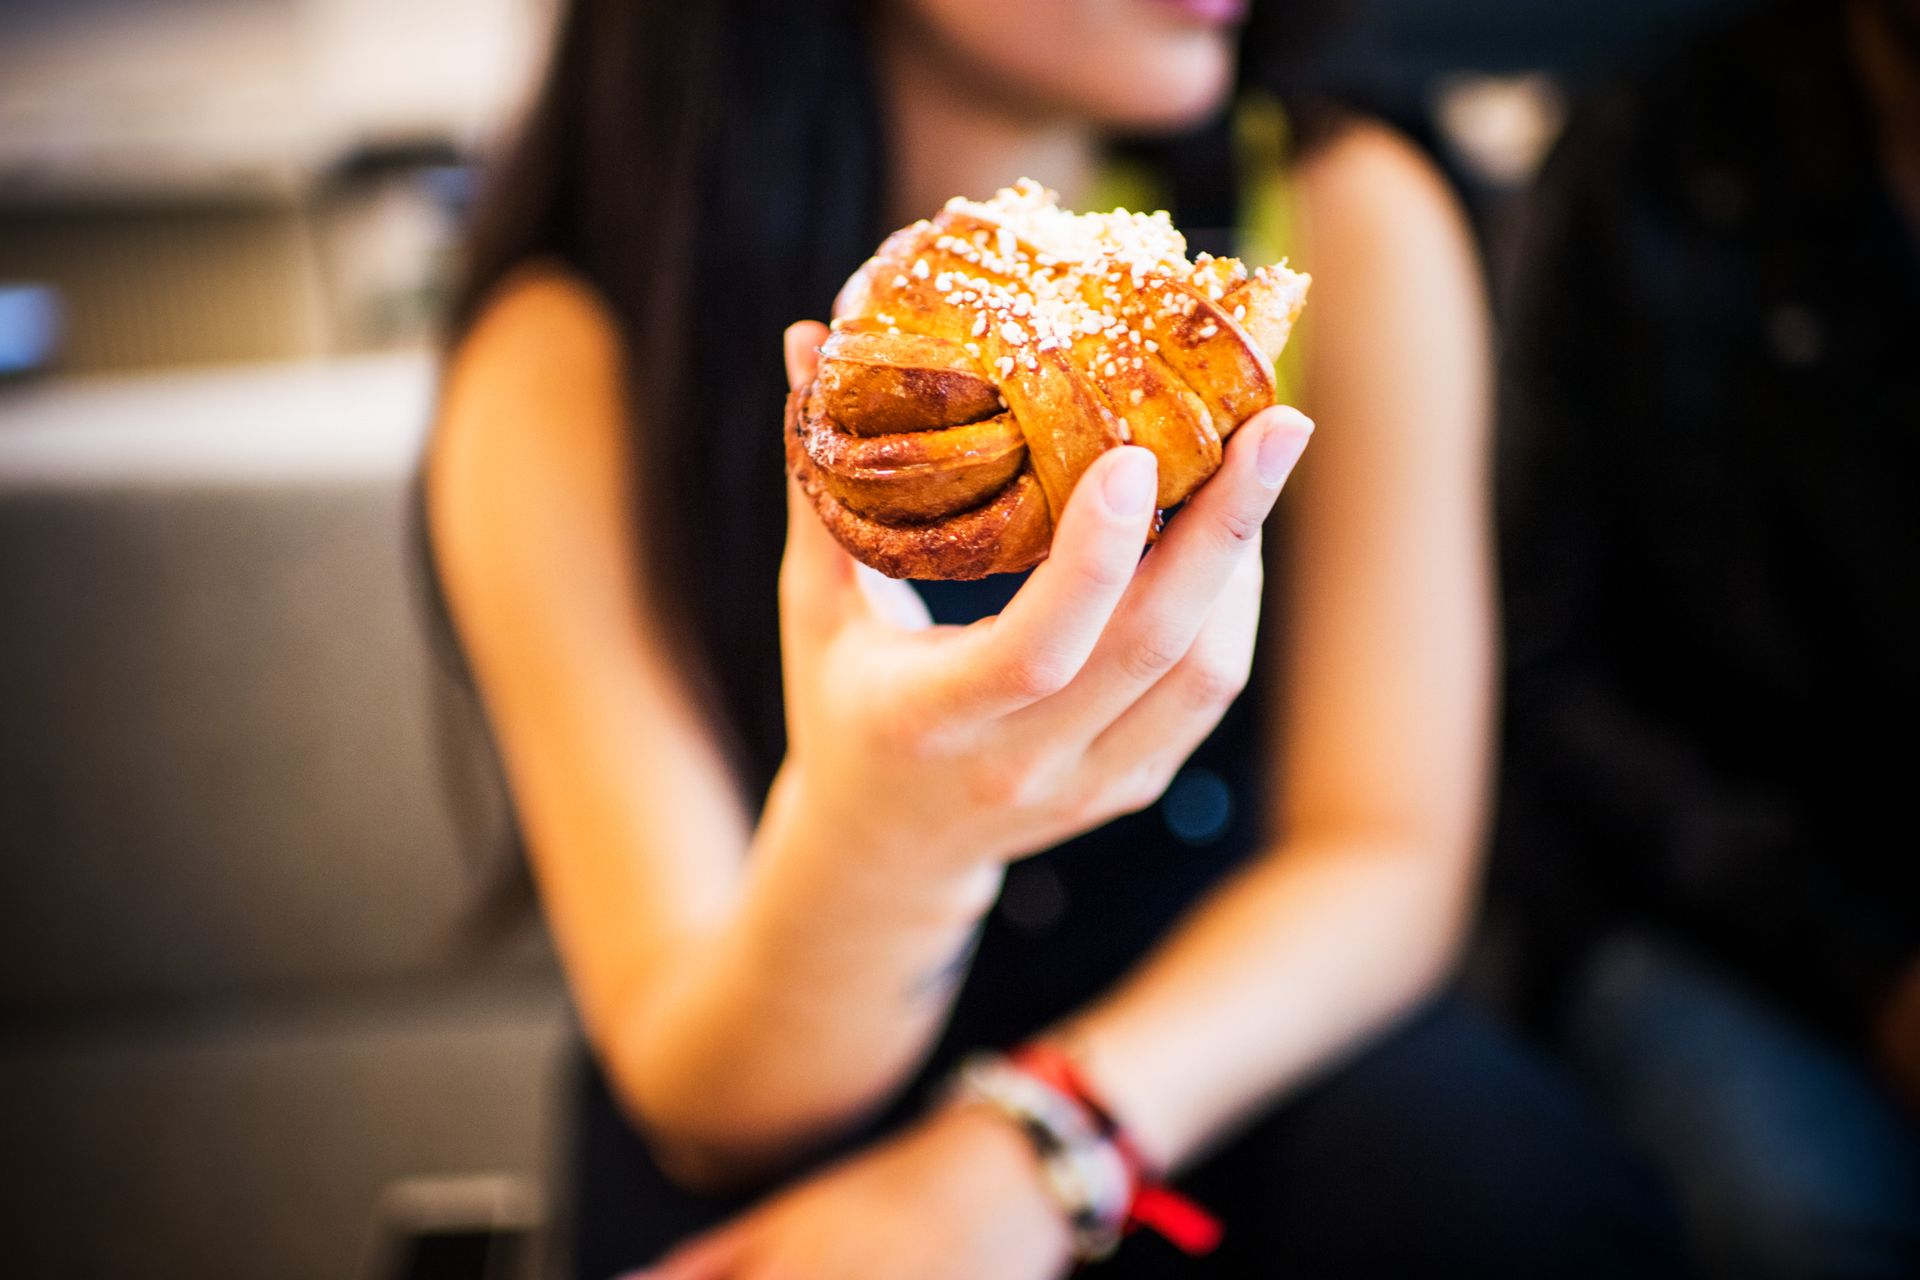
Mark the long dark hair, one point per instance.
(715, 171)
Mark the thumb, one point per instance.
(818, 585)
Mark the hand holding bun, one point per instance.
(980, 362)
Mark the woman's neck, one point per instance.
(950, 135)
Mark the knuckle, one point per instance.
(1118, 790)
(1033, 676)
(1214, 682)
(1141, 787)
(1238, 528)
(1153, 653)
(990, 787)
(1093, 806)
(1008, 781)
(905, 736)
(1104, 571)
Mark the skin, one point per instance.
(755, 987)
(1892, 83)
(1897, 1036)
(988, 82)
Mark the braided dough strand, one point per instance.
(982, 360)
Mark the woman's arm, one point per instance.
(754, 989)
(1359, 906)
(643, 851)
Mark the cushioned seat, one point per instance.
(236, 991)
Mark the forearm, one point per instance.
(1381, 680)
(801, 1012)
(1282, 969)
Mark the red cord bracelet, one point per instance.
(1183, 1223)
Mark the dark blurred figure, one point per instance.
(1712, 392)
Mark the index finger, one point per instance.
(1175, 590)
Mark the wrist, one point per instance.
(1108, 1054)
(905, 867)
(1089, 1165)
(1001, 1161)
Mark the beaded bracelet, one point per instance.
(1089, 1166)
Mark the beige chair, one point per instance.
(237, 1003)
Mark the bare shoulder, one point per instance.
(531, 443)
(1398, 335)
(1369, 185)
(537, 377)
(1397, 280)
(543, 326)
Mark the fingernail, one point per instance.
(1280, 448)
(1130, 482)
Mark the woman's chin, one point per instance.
(1169, 103)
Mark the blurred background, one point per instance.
(247, 1027)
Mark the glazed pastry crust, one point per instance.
(981, 361)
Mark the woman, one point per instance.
(770, 822)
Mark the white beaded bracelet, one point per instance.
(1082, 1169)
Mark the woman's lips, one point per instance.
(1219, 12)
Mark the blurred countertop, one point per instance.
(358, 417)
